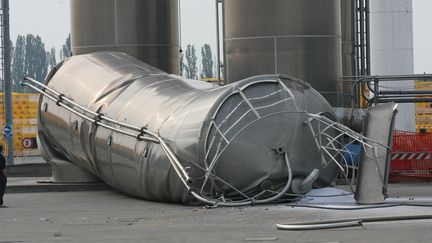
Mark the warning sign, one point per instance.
(27, 143)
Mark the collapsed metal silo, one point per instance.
(145, 29)
(160, 137)
(300, 38)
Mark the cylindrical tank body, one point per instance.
(237, 132)
(300, 38)
(145, 29)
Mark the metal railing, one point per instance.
(142, 134)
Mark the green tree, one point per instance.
(12, 50)
(18, 59)
(35, 64)
(182, 65)
(51, 58)
(191, 60)
(207, 62)
(29, 58)
(66, 50)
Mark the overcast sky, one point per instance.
(46, 18)
(50, 20)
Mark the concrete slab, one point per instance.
(45, 184)
(29, 160)
(109, 216)
(30, 170)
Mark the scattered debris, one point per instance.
(261, 239)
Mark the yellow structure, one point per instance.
(423, 111)
(24, 112)
(213, 80)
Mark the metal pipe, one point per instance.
(218, 42)
(367, 26)
(263, 201)
(338, 223)
(225, 69)
(404, 100)
(425, 76)
(175, 161)
(300, 186)
(102, 117)
(376, 96)
(354, 91)
(179, 25)
(402, 92)
(379, 78)
(60, 103)
(362, 39)
(406, 96)
(318, 226)
(287, 186)
(356, 37)
(370, 88)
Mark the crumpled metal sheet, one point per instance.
(230, 139)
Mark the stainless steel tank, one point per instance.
(239, 140)
(300, 38)
(348, 57)
(145, 29)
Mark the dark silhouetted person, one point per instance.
(3, 175)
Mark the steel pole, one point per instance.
(7, 82)
(225, 69)
(362, 39)
(367, 26)
(218, 43)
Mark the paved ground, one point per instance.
(28, 160)
(71, 213)
(109, 216)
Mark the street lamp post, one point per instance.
(7, 82)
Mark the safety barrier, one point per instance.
(24, 114)
(411, 158)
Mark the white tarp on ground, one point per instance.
(336, 198)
